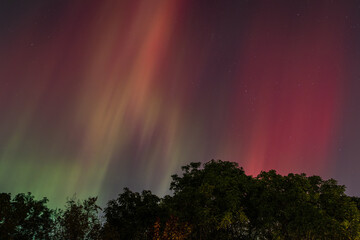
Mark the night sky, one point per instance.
(99, 95)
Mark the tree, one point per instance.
(173, 230)
(23, 217)
(220, 202)
(132, 215)
(300, 207)
(216, 200)
(212, 200)
(79, 220)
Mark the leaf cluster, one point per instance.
(215, 200)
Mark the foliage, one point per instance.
(221, 202)
(23, 217)
(212, 199)
(216, 200)
(79, 220)
(132, 214)
(174, 230)
(300, 207)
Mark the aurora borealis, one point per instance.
(99, 95)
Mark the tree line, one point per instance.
(216, 200)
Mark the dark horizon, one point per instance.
(215, 200)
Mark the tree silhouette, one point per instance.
(216, 200)
(132, 215)
(79, 220)
(212, 199)
(23, 217)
